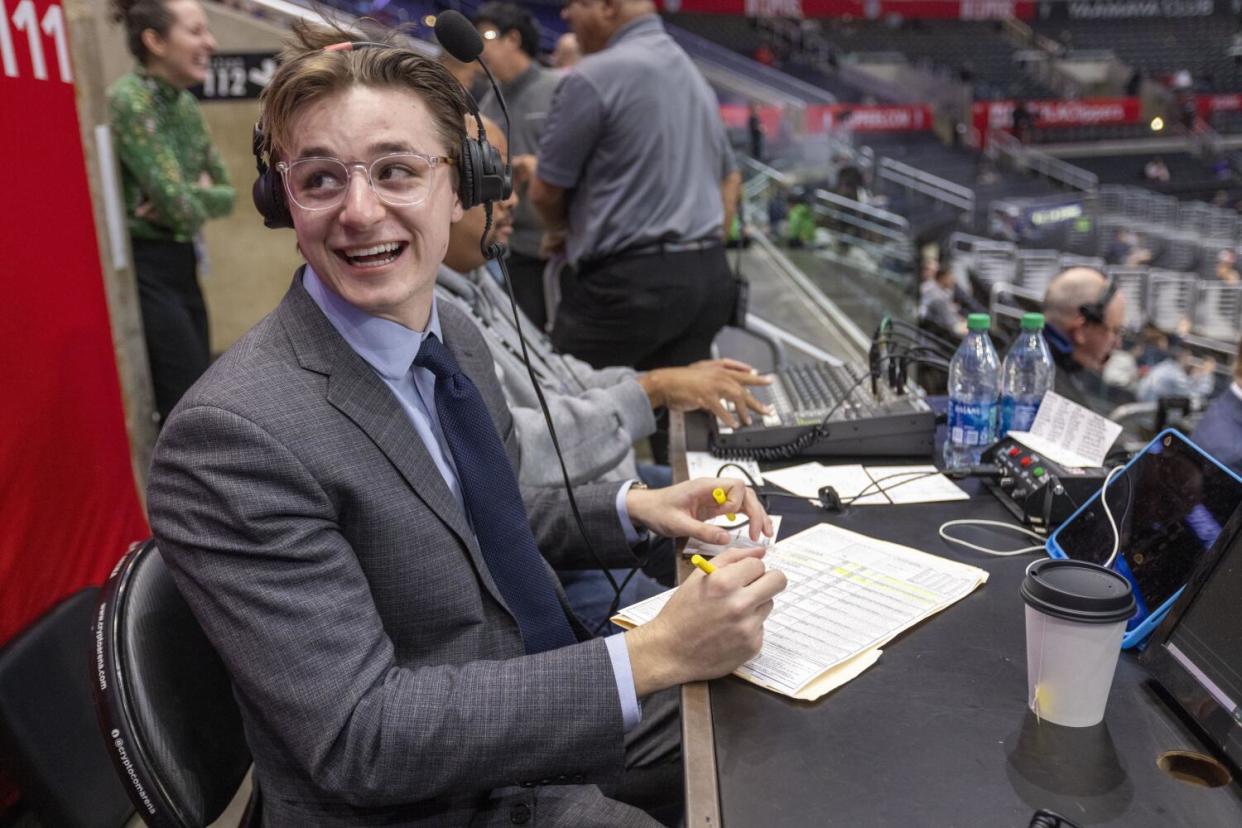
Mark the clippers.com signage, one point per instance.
(70, 504)
(860, 9)
(896, 118)
(990, 115)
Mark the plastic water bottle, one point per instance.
(974, 391)
(1026, 375)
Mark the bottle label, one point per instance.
(972, 424)
(1017, 416)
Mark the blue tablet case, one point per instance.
(1147, 619)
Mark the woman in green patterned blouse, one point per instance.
(173, 181)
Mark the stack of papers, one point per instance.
(871, 485)
(848, 595)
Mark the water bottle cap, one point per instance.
(1032, 321)
(978, 322)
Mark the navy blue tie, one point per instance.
(490, 490)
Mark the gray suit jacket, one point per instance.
(382, 680)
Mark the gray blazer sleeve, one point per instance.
(255, 545)
(596, 430)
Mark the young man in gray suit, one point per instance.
(336, 500)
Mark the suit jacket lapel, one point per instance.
(357, 392)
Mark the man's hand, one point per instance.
(145, 211)
(705, 384)
(710, 626)
(680, 511)
(205, 180)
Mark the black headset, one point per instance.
(482, 176)
(1094, 311)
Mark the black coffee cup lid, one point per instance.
(1078, 591)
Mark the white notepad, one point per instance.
(848, 595)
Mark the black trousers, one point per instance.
(526, 273)
(650, 311)
(174, 318)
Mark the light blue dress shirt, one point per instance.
(390, 348)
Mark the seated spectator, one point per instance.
(1226, 267)
(937, 305)
(1083, 328)
(1178, 376)
(1219, 433)
(1153, 348)
(1156, 171)
(1119, 248)
(800, 221)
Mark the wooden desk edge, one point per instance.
(698, 743)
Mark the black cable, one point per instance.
(556, 444)
(875, 483)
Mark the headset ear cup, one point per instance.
(268, 193)
(470, 174)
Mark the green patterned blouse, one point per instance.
(165, 148)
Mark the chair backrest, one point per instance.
(47, 722)
(164, 698)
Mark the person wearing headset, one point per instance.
(599, 413)
(336, 501)
(1085, 316)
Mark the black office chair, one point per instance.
(47, 722)
(164, 700)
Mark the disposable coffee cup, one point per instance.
(1076, 615)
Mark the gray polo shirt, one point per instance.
(529, 97)
(635, 135)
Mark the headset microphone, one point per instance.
(461, 39)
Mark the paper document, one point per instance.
(870, 485)
(1069, 434)
(848, 595)
(703, 464)
(739, 535)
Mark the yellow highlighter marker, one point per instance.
(721, 497)
(702, 563)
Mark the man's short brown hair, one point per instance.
(308, 73)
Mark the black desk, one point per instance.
(937, 733)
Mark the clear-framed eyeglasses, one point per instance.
(401, 180)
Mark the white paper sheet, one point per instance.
(1069, 434)
(848, 594)
(703, 464)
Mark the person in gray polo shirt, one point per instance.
(510, 44)
(629, 175)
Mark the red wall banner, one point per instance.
(871, 118)
(986, 115)
(69, 502)
(860, 9)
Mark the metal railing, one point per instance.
(1003, 145)
(932, 186)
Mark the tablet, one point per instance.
(1170, 503)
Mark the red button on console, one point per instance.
(1026, 461)
(1014, 451)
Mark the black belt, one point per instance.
(650, 250)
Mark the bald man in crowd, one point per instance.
(1084, 324)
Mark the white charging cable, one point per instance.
(1109, 514)
(1000, 553)
(1027, 550)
